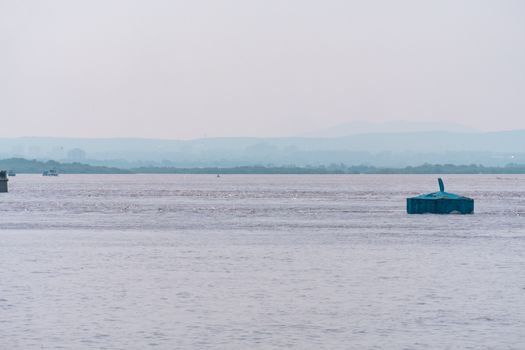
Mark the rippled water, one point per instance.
(259, 262)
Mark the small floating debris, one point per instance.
(51, 172)
(440, 203)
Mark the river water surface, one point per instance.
(259, 262)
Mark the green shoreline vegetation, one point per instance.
(25, 166)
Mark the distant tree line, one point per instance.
(340, 169)
(21, 165)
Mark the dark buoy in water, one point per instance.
(440, 203)
(3, 181)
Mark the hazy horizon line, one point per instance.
(256, 137)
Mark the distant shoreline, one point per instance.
(25, 166)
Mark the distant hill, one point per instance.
(374, 149)
(363, 127)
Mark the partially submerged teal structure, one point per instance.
(3, 181)
(440, 203)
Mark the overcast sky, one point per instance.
(188, 69)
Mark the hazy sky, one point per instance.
(185, 69)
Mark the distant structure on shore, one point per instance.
(3, 181)
(440, 203)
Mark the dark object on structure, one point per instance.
(51, 172)
(440, 203)
(11, 173)
(3, 181)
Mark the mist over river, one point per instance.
(259, 262)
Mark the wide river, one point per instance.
(259, 262)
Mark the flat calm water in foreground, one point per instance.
(259, 262)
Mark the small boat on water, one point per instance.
(50, 172)
(11, 173)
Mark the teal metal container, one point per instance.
(440, 203)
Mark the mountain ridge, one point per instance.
(381, 149)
